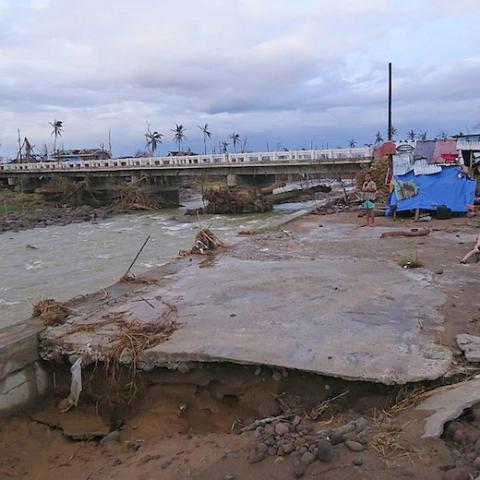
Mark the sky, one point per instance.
(281, 73)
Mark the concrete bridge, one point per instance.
(163, 175)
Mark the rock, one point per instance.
(258, 371)
(306, 426)
(470, 345)
(450, 429)
(258, 433)
(287, 448)
(229, 476)
(336, 437)
(476, 463)
(358, 462)
(183, 368)
(439, 271)
(362, 438)
(460, 436)
(298, 469)
(269, 408)
(476, 446)
(447, 466)
(354, 446)
(255, 457)
(262, 447)
(272, 451)
(307, 458)
(361, 423)
(324, 451)
(111, 437)
(460, 473)
(282, 428)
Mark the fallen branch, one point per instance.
(474, 251)
(414, 232)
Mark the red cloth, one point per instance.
(445, 151)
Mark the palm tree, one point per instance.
(225, 146)
(206, 134)
(378, 138)
(422, 136)
(179, 135)
(411, 135)
(57, 126)
(442, 135)
(235, 137)
(153, 141)
(352, 143)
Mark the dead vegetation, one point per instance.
(238, 199)
(133, 195)
(62, 190)
(205, 243)
(51, 311)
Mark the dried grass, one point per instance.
(51, 311)
(205, 243)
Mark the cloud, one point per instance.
(274, 69)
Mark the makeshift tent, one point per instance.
(450, 187)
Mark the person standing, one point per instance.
(369, 193)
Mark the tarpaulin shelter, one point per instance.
(451, 188)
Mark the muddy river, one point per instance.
(63, 261)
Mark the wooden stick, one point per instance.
(424, 232)
(136, 256)
(471, 253)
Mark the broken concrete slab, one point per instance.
(357, 319)
(447, 404)
(470, 345)
(81, 423)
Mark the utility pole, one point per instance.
(389, 101)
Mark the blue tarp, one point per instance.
(451, 187)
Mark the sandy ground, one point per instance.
(186, 429)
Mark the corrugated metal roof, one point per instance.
(422, 167)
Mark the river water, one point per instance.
(64, 261)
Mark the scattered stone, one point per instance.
(460, 436)
(439, 271)
(470, 345)
(307, 458)
(255, 457)
(287, 448)
(258, 371)
(354, 446)
(476, 446)
(460, 473)
(272, 451)
(229, 476)
(282, 428)
(269, 408)
(358, 462)
(306, 426)
(111, 437)
(336, 437)
(259, 432)
(324, 451)
(262, 448)
(362, 438)
(476, 463)
(298, 469)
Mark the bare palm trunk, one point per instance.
(205, 144)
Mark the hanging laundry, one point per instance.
(424, 150)
(404, 190)
(445, 151)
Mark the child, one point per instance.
(369, 191)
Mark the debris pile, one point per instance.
(380, 172)
(238, 199)
(204, 244)
(302, 440)
(51, 311)
(134, 196)
(64, 191)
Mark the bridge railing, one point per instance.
(306, 156)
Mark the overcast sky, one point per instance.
(286, 72)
